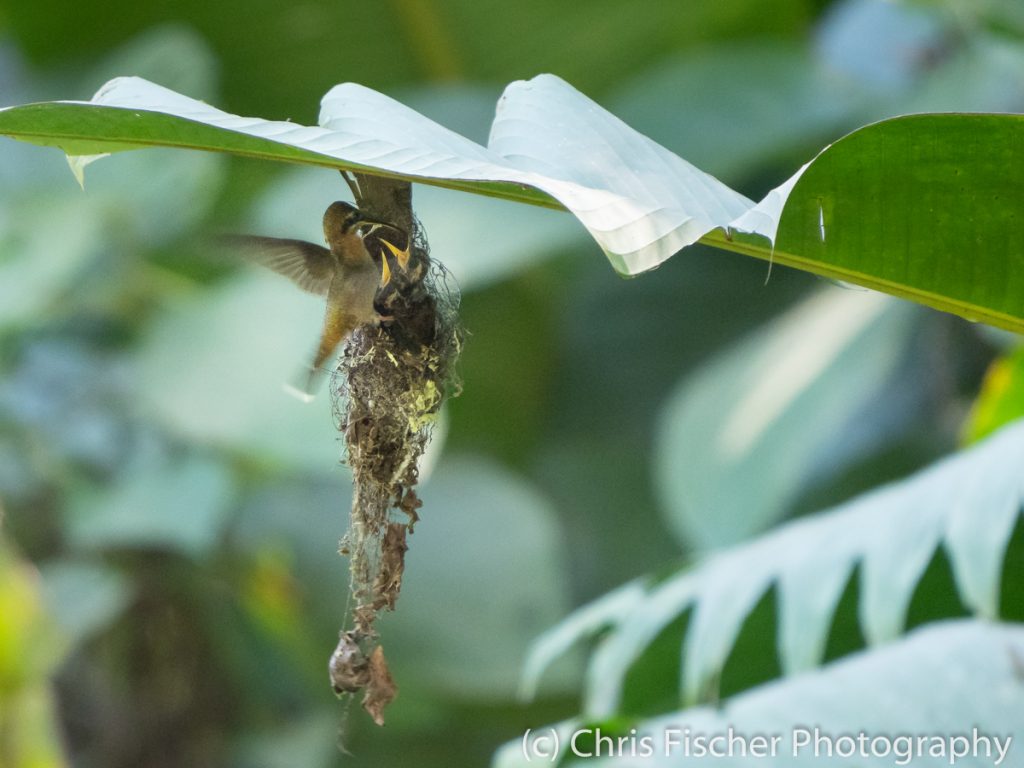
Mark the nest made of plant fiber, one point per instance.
(387, 393)
(387, 390)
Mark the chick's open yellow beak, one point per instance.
(402, 257)
(370, 226)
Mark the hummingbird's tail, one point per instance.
(306, 384)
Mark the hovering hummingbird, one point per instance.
(345, 273)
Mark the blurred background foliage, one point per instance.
(170, 583)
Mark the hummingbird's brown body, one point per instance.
(346, 274)
(351, 290)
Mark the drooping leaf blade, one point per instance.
(920, 207)
(968, 503)
(945, 678)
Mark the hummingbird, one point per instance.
(345, 273)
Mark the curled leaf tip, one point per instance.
(77, 164)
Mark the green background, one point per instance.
(182, 513)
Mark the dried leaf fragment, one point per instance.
(392, 565)
(381, 689)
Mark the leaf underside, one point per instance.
(914, 686)
(921, 207)
(968, 504)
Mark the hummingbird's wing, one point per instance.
(308, 265)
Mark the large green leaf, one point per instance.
(955, 679)
(921, 207)
(968, 504)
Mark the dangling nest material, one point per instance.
(387, 393)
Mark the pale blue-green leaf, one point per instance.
(543, 745)
(484, 533)
(584, 622)
(743, 436)
(71, 397)
(84, 597)
(727, 595)
(967, 503)
(480, 240)
(653, 202)
(214, 365)
(722, 597)
(808, 591)
(160, 501)
(894, 563)
(978, 529)
(640, 202)
(942, 680)
(1004, 341)
(616, 651)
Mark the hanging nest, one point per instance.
(387, 392)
